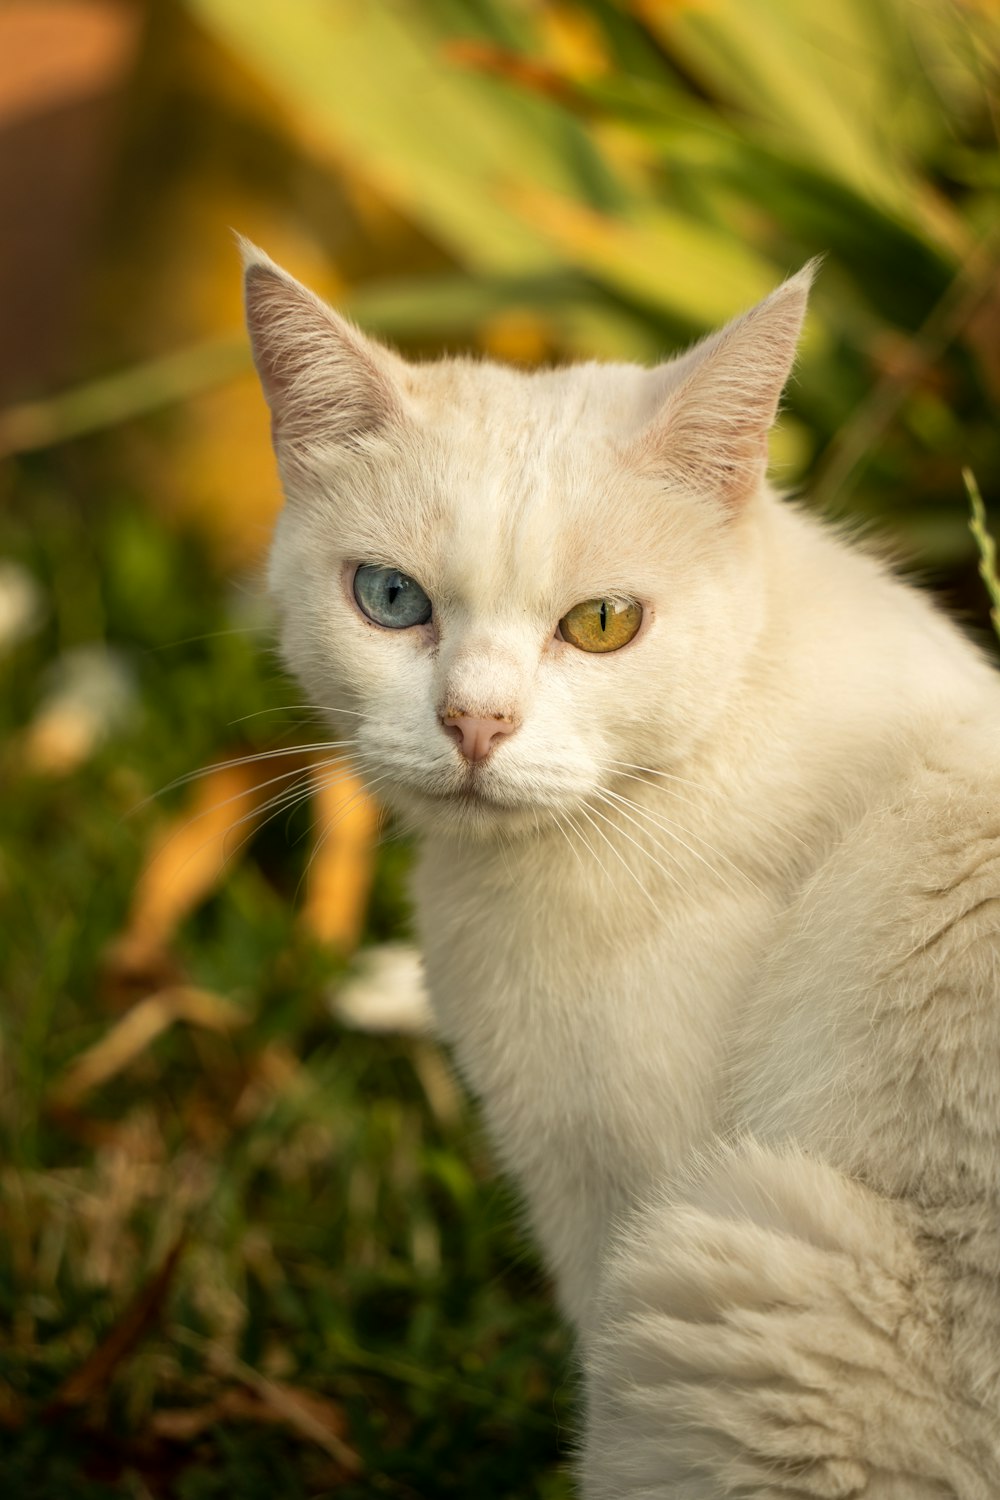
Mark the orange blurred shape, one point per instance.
(53, 52)
(222, 479)
(58, 742)
(192, 856)
(517, 336)
(193, 853)
(573, 39)
(486, 57)
(63, 66)
(342, 867)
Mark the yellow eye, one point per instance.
(601, 624)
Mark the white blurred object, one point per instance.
(387, 993)
(90, 695)
(22, 605)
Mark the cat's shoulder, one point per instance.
(901, 925)
(914, 876)
(941, 801)
(922, 994)
(878, 1005)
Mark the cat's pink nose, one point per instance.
(475, 737)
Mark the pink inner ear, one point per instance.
(272, 320)
(321, 378)
(710, 436)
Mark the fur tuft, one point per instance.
(774, 1331)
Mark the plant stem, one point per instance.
(986, 544)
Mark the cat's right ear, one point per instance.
(324, 381)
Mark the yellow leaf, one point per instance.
(695, 270)
(135, 1033)
(193, 853)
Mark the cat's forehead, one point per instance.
(524, 484)
(502, 403)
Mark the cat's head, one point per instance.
(507, 589)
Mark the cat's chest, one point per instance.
(594, 1036)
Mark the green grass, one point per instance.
(987, 547)
(342, 1232)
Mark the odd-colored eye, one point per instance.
(601, 624)
(390, 598)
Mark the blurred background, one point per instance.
(246, 1249)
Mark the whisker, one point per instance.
(333, 825)
(626, 802)
(302, 772)
(619, 856)
(631, 765)
(288, 708)
(259, 817)
(582, 836)
(286, 801)
(671, 832)
(670, 791)
(261, 813)
(671, 876)
(212, 635)
(670, 828)
(340, 746)
(560, 824)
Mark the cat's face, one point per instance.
(507, 590)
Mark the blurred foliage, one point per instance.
(547, 179)
(257, 1253)
(342, 1236)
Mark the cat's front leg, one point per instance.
(770, 1332)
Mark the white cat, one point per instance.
(708, 891)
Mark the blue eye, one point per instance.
(390, 597)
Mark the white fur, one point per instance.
(736, 1037)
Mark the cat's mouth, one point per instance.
(474, 799)
(473, 791)
(477, 797)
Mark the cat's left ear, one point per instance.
(324, 380)
(710, 435)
